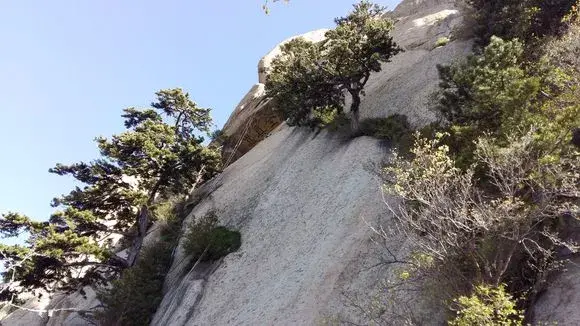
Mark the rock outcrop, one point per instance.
(558, 305)
(303, 202)
(252, 121)
(254, 118)
(420, 24)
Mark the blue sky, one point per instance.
(68, 68)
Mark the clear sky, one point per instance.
(68, 68)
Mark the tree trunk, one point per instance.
(354, 112)
(142, 223)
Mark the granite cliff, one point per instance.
(303, 203)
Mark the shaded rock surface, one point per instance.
(252, 121)
(254, 118)
(560, 303)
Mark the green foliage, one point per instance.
(333, 120)
(207, 241)
(14, 224)
(492, 198)
(487, 89)
(310, 78)
(487, 221)
(501, 178)
(487, 306)
(499, 92)
(527, 20)
(155, 158)
(394, 129)
(134, 297)
(297, 84)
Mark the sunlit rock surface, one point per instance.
(303, 202)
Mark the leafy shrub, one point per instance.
(527, 20)
(492, 222)
(487, 306)
(207, 241)
(134, 298)
(487, 89)
(499, 92)
(503, 227)
(395, 128)
(490, 201)
(332, 120)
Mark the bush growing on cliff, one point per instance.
(206, 241)
(528, 20)
(394, 129)
(504, 226)
(499, 92)
(310, 78)
(487, 90)
(492, 200)
(487, 306)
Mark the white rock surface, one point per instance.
(264, 64)
(26, 317)
(301, 200)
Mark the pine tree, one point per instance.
(160, 154)
(311, 79)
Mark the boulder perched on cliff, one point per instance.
(254, 118)
(264, 64)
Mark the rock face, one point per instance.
(302, 201)
(252, 121)
(419, 24)
(264, 64)
(253, 118)
(299, 237)
(558, 305)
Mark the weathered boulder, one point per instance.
(252, 121)
(254, 118)
(264, 64)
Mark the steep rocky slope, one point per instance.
(302, 201)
